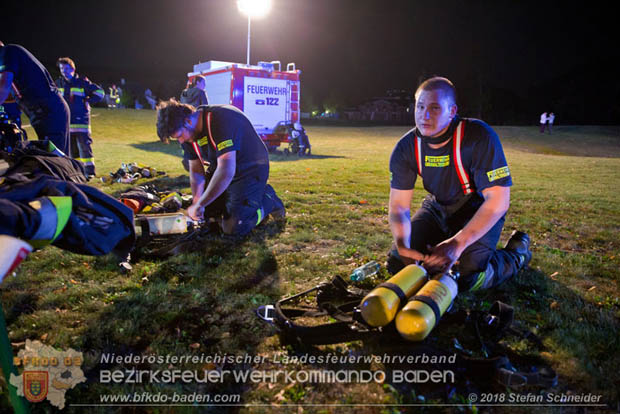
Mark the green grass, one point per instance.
(564, 195)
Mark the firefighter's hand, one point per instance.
(409, 256)
(195, 212)
(443, 256)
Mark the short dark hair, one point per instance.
(66, 61)
(170, 117)
(438, 83)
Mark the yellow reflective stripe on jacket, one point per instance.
(99, 92)
(87, 161)
(479, 281)
(77, 91)
(225, 144)
(79, 128)
(498, 173)
(61, 90)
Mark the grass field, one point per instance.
(565, 195)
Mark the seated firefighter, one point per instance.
(463, 167)
(235, 187)
(299, 134)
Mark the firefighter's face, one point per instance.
(186, 132)
(66, 70)
(434, 112)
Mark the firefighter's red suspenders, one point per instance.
(207, 121)
(457, 139)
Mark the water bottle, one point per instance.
(369, 269)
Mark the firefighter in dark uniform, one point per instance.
(195, 95)
(79, 93)
(238, 163)
(36, 93)
(463, 168)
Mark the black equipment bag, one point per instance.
(334, 300)
(33, 161)
(98, 223)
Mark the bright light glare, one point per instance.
(254, 8)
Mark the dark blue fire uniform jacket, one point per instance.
(79, 93)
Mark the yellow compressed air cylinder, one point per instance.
(418, 318)
(380, 306)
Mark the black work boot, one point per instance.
(519, 243)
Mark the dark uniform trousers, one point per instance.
(481, 265)
(51, 120)
(81, 149)
(248, 201)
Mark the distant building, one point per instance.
(396, 106)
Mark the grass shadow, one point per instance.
(568, 325)
(281, 157)
(185, 308)
(175, 150)
(172, 148)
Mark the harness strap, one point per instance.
(418, 154)
(208, 117)
(198, 153)
(458, 162)
(457, 139)
(207, 122)
(396, 289)
(431, 304)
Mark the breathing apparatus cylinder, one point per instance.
(380, 306)
(418, 318)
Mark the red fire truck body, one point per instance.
(268, 96)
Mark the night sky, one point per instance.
(536, 54)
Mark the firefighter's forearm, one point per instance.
(197, 184)
(196, 178)
(222, 177)
(217, 185)
(400, 225)
(496, 203)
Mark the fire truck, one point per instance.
(268, 96)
